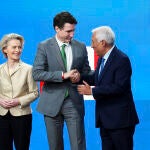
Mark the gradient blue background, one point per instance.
(131, 22)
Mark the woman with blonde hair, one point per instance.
(17, 91)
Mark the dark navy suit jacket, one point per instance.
(114, 101)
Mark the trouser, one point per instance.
(15, 129)
(75, 125)
(117, 139)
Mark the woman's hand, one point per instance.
(9, 103)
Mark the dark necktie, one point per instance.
(101, 65)
(63, 54)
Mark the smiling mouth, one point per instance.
(17, 54)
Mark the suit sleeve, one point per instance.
(40, 68)
(32, 93)
(85, 71)
(121, 81)
(90, 78)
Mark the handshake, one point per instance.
(73, 75)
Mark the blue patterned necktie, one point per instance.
(101, 65)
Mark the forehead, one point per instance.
(68, 26)
(94, 36)
(14, 42)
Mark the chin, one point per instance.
(67, 41)
(17, 59)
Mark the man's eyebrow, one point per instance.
(70, 30)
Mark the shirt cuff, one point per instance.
(62, 75)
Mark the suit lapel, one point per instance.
(6, 71)
(73, 55)
(16, 69)
(56, 52)
(97, 71)
(108, 63)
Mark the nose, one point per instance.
(18, 48)
(72, 34)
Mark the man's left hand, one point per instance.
(84, 89)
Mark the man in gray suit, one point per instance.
(59, 100)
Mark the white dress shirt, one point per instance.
(68, 52)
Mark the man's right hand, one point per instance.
(74, 75)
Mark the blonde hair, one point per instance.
(8, 37)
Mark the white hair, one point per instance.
(104, 33)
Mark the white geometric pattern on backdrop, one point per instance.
(91, 63)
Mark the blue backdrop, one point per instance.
(129, 19)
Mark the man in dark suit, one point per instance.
(60, 100)
(115, 110)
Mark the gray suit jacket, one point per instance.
(48, 67)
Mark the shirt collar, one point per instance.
(108, 53)
(59, 42)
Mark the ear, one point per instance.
(103, 43)
(5, 50)
(57, 28)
